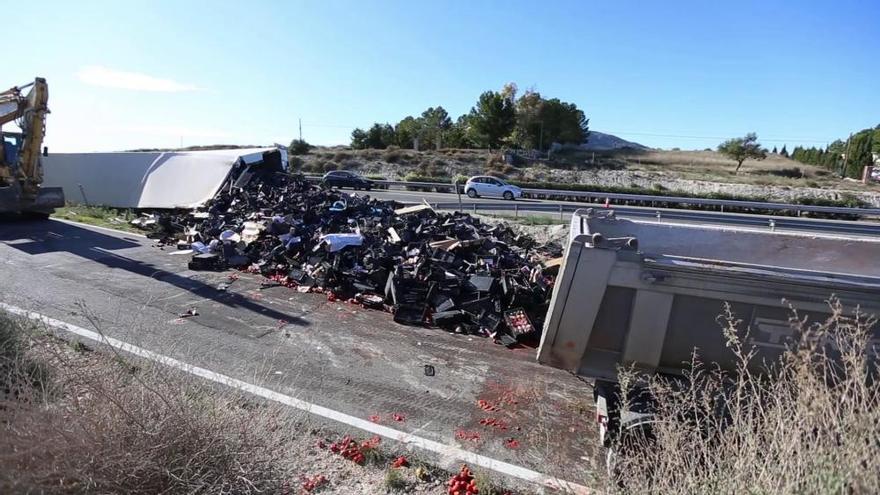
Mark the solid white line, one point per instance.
(384, 431)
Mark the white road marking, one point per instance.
(362, 424)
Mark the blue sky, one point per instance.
(667, 74)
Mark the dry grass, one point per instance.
(77, 420)
(113, 427)
(807, 425)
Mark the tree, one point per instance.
(774, 151)
(491, 120)
(358, 139)
(528, 132)
(434, 122)
(406, 131)
(784, 152)
(456, 136)
(741, 149)
(562, 123)
(859, 153)
(298, 147)
(379, 136)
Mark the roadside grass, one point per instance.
(528, 219)
(77, 419)
(100, 216)
(806, 423)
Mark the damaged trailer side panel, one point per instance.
(174, 179)
(648, 294)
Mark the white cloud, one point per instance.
(97, 75)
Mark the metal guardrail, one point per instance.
(666, 200)
(742, 219)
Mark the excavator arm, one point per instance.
(29, 112)
(21, 172)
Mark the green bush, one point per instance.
(350, 165)
(298, 147)
(328, 166)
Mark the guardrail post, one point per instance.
(515, 211)
(722, 208)
(560, 212)
(659, 216)
(475, 208)
(772, 225)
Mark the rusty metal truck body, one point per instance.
(647, 294)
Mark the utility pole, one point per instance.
(300, 129)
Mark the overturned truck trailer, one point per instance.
(646, 294)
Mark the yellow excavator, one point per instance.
(21, 172)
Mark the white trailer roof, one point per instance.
(174, 179)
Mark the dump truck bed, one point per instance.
(649, 293)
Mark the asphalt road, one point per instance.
(332, 354)
(551, 208)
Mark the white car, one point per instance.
(485, 185)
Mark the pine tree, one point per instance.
(784, 151)
(774, 150)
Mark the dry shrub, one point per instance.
(340, 156)
(350, 165)
(805, 424)
(121, 429)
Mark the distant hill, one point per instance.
(599, 141)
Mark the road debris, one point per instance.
(428, 268)
(311, 483)
(462, 483)
(188, 313)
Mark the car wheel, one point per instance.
(508, 195)
(471, 193)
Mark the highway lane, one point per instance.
(332, 354)
(551, 208)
